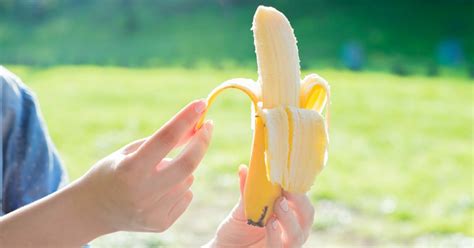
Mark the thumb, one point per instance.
(242, 178)
(238, 212)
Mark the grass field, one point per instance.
(401, 151)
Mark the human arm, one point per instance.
(134, 189)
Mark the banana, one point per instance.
(290, 137)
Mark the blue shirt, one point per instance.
(29, 163)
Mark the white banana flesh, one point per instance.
(296, 145)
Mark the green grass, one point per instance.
(400, 154)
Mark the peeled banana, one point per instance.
(290, 137)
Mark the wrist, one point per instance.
(87, 206)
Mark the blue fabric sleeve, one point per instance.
(30, 164)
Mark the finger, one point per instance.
(154, 149)
(179, 208)
(186, 137)
(187, 161)
(303, 209)
(242, 178)
(174, 195)
(132, 147)
(273, 231)
(238, 212)
(292, 233)
(163, 164)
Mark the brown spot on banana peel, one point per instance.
(259, 223)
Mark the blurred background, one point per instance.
(399, 36)
(401, 72)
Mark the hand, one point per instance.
(137, 188)
(290, 227)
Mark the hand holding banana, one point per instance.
(290, 137)
(290, 227)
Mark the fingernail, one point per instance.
(284, 205)
(274, 224)
(209, 125)
(200, 107)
